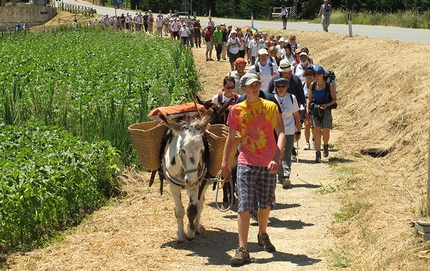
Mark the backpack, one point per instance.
(330, 77)
(327, 91)
(257, 68)
(235, 98)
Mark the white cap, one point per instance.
(263, 52)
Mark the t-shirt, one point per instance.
(288, 105)
(255, 123)
(218, 36)
(325, 10)
(234, 45)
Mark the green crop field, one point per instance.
(66, 100)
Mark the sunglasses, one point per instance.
(318, 73)
(281, 86)
(230, 87)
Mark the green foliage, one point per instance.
(48, 179)
(93, 82)
(348, 211)
(339, 256)
(407, 19)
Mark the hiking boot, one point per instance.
(264, 241)
(318, 157)
(307, 146)
(286, 183)
(241, 257)
(325, 147)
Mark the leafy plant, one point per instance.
(49, 179)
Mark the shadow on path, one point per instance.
(215, 246)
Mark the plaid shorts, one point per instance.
(251, 179)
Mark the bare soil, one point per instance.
(383, 97)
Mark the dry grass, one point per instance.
(383, 102)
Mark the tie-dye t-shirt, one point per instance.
(255, 123)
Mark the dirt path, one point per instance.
(138, 231)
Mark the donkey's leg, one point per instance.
(200, 204)
(179, 211)
(192, 212)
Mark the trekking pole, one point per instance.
(297, 151)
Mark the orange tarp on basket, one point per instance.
(176, 110)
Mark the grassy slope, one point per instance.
(383, 103)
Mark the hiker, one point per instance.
(285, 14)
(255, 119)
(240, 65)
(318, 107)
(264, 68)
(309, 75)
(325, 12)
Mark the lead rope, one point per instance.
(218, 180)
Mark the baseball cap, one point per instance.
(284, 66)
(263, 52)
(248, 79)
(240, 60)
(303, 54)
(281, 82)
(319, 69)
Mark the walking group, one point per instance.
(282, 93)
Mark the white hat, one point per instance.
(263, 52)
(284, 66)
(303, 54)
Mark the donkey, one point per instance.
(184, 167)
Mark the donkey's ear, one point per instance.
(170, 123)
(205, 120)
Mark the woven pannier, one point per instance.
(217, 135)
(147, 137)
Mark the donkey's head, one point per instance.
(220, 111)
(189, 148)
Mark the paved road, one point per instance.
(403, 34)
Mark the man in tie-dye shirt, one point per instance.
(258, 161)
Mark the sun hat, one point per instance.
(281, 40)
(284, 66)
(319, 69)
(281, 82)
(233, 32)
(298, 51)
(263, 52)
(248, 79)
(240, 60)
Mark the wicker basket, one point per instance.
(217, 135)
(147, 137)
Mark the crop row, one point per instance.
(93, 83)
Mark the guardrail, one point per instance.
(76, 9)
(277, 12)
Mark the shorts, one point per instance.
(327, 121)
(284, 18)
(209, 45)
(175, 34)
(251, 179)
(233, 57)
